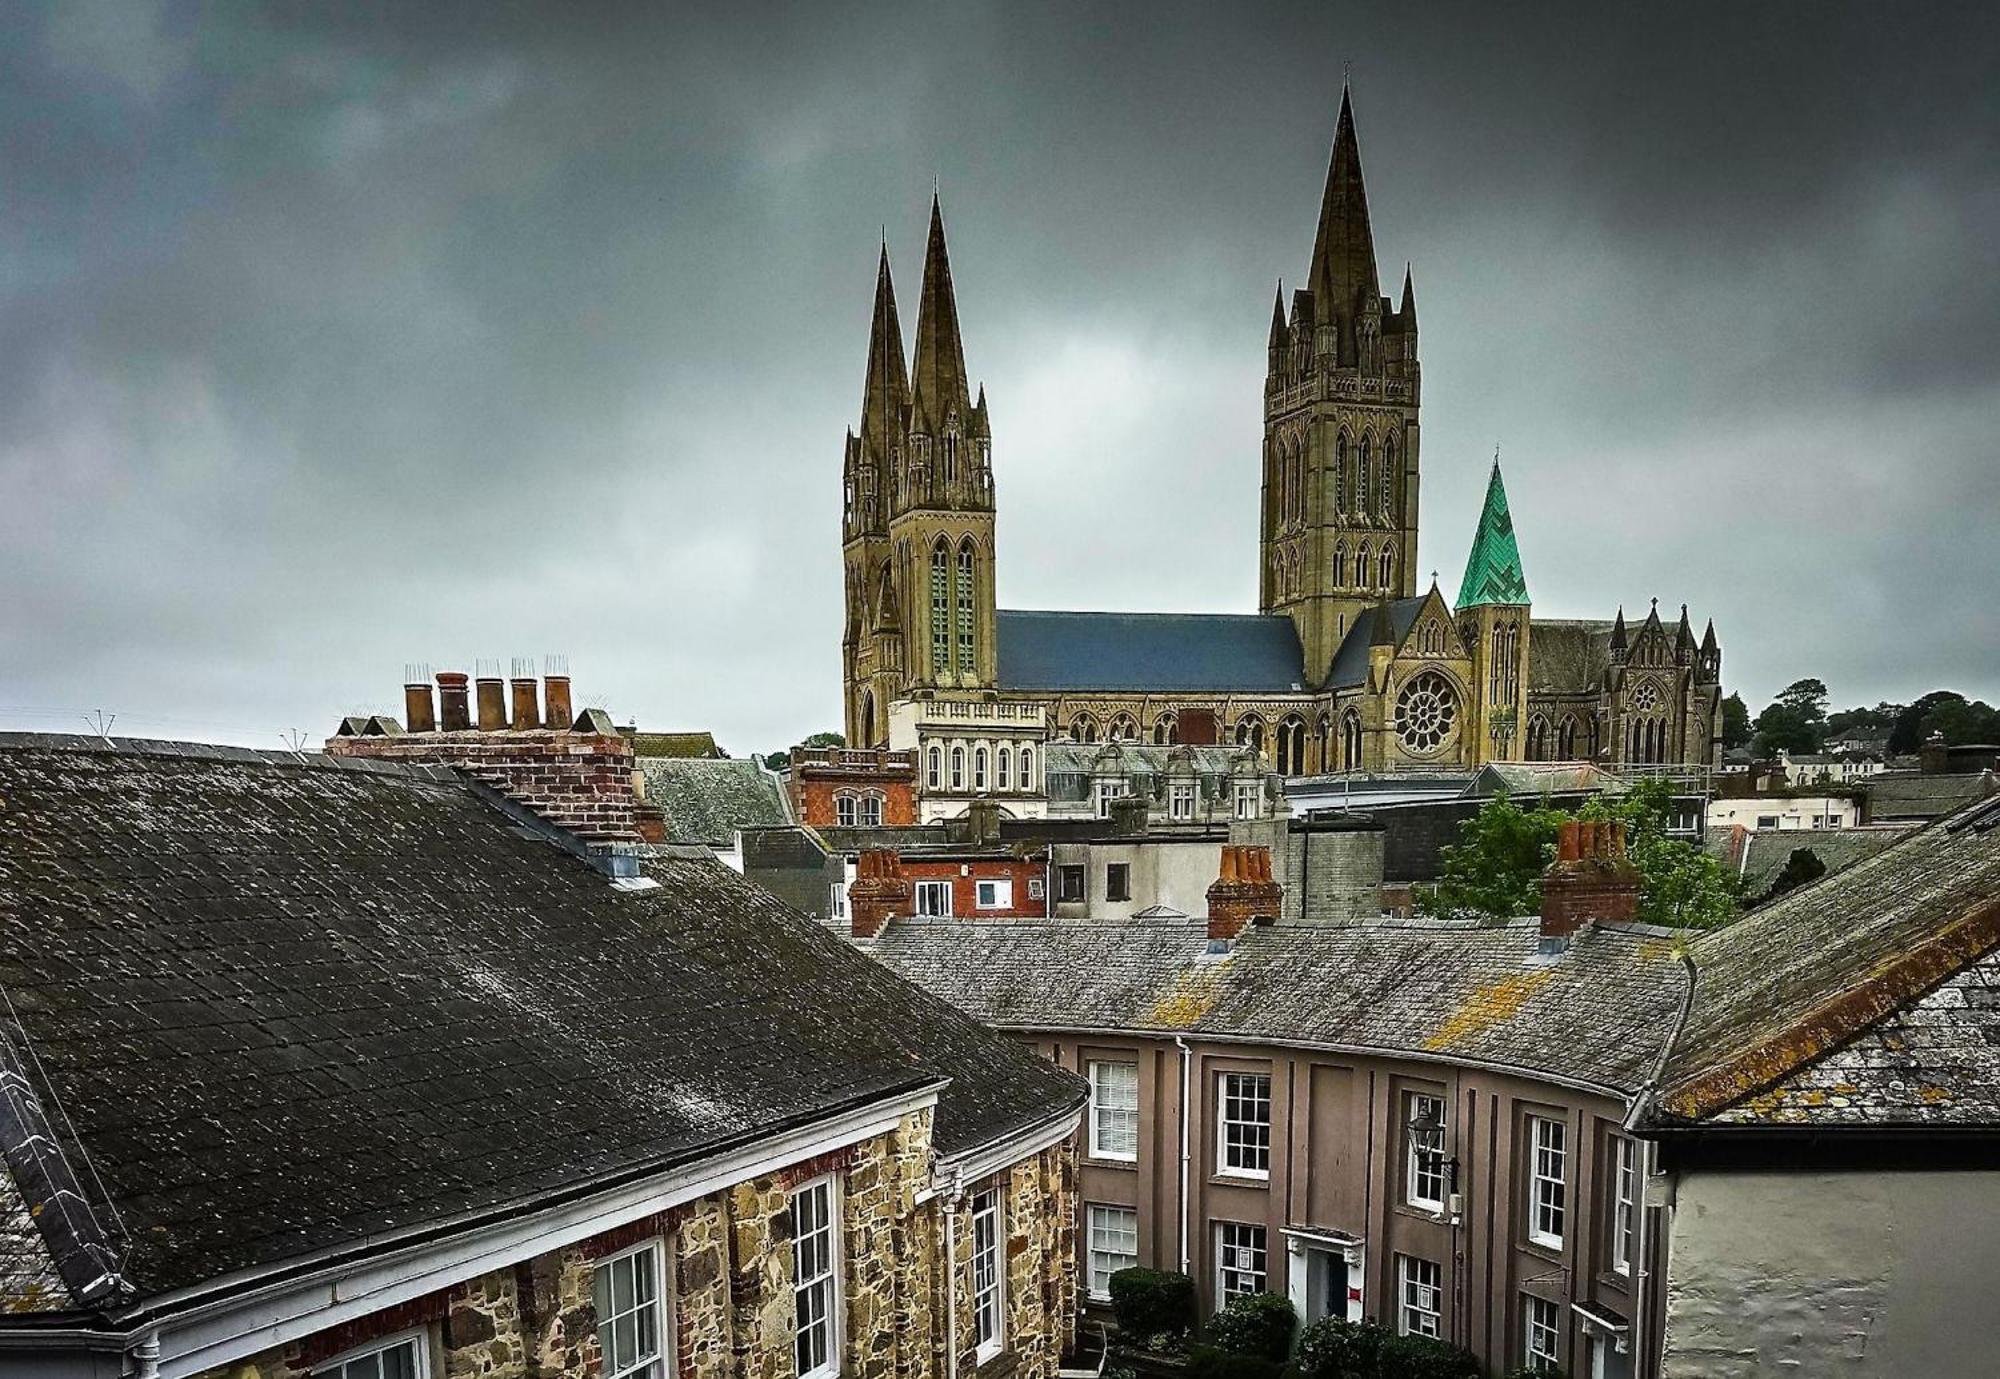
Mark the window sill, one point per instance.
(1111, 1161)
(1545, 1247)
(1240, 1177)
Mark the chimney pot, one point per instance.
(1591, 879)
(456, 714)
(557, 712)
(420, 706)
(880, 892)
(492, 698)
(527, 715)
(1244, 893)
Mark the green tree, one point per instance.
(1735, 722)
(778, 761)
(1909, 732)
(1795, 721)
(1879, 721)
(1959, 720)
(1494, 869)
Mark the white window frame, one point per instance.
(1236, 1153)
(839, 889)
(1423, 1168)
(1548, 1181)
(825, 1284)
(958, 768)
(1541, 1334)
(1249, 799)
(1108, 1118)
(1181, 796)
(934, 768)
(979, 759)
(869, 810)
(1003, 893)
(1624, 1202)
(1419, 1297)
(660, 1362)
(846, 811)
(419, 1341)
(1027, 776)
(1003, 769)
(1106, 1226)
(1106, 791)
(931, 888)
(1242, 1260)
(989, 1273)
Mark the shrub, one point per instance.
(1334, 1348)
(1152, 1302)
(1258, 1324)
(1421, 1357)
(1213, 1362)
(1525, 1373)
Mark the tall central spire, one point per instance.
(886, 395)
(939, 384)
(1343, 263)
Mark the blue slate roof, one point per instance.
(1149, 651)
(1350, 663)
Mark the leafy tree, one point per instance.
(1795, 721)
(1909, 732)
(1495, 868)
(1735, 722)
(1960, 720)
(1878, 722)
(778, 761)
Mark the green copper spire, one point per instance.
(1493, 570)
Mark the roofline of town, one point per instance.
(1284, 1041)
(204, 1326)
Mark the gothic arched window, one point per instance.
(1250, 732)
(940, 609)
(1003, 762)
(1339, 563)
(1123, 728)
(1083, 728)
(1292, 746)
(1387, 568)
(1388, 499)
(934, 770)
(871, 810)
(1166, 730)
(967, 579)
(1566, 738)
(1538, 738)
(1350, 741)
(1028, 768)
(843, 810)
(867, 719)
(1362, 487)
(1340, 473)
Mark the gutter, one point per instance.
(1649, 1164)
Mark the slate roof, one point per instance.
(1759, 857)
(1917, 796)
(292, 1003)
(1168, 652)
(1545, 778)
(1597, 1015)
(1568, 655)
(1350, 663)
(707, 801)
(676, 745)
(1816, 969)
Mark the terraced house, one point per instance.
(355, 1068)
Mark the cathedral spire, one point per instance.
(1278, 317)
(1618, 635)
(1343, 261)
(1406, 314)
(1708, 646)
(1493, 569)
(886, 395)
(939, 384)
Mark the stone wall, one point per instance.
(729, 1261)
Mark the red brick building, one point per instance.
(850, 787)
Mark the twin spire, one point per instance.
(937, 385)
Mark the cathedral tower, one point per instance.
(1339, 520)
(1493, 618)
(918, 512)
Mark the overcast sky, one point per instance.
(459, 331)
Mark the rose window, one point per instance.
(1426, 712)
(1646, 699)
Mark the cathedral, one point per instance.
(1347, 666)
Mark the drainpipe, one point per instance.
(1187, 1155)
(951, 1277)
(142, 1358)
(1642, 1286)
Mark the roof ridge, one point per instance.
(171, 748)
(1141, 613)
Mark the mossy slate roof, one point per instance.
(291, 1003)
(706, 801)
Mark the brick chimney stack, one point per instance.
(1591, 879)
(879, 892)
(1244, 894)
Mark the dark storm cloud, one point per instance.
(428, 332)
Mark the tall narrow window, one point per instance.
(1366, 482)
(1114, 1105)
(1541, 1335)
(1239, 1260)
(966, 581)
(958, 768)
(1420, 1297)
(1003, 772)
(871, 811)
(1388, 571)
(1339, 563)
(1027, 768)
(626, 1291)
(979, 768)
(1624, 1203)
(1388, 485)
(815, 1281)
(940, 610)
(1548, 1153)
(934, 769)
(988, 1280)
(843, 811)
(1243, 1125)
(1340, 480)
(1114, 1245)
